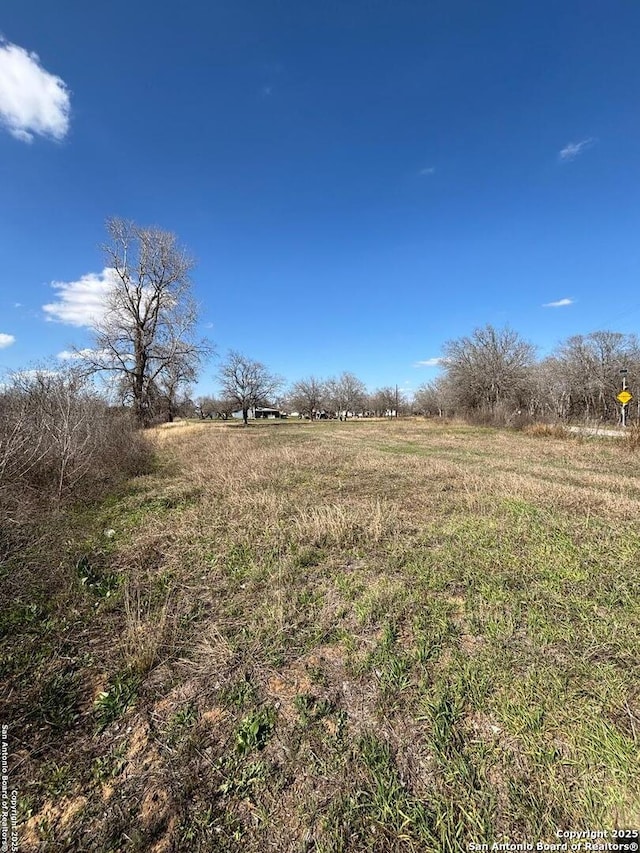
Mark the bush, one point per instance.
(503, 415)
(632, 436)
(541, 430)
(59, 440)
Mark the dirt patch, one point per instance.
(214, 717)
(61, 815)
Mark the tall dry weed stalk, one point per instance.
(151, 631)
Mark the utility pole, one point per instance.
(623, 397)
(396, 399)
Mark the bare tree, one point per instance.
(147, 335)
(174, 383)
(346, 394)
(550, 391)
(434, 398)
(589, 368)
(308, 396)
(214, 407)
(387, 401)
(248, 383)
(489, 369)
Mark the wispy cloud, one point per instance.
(428, 170)
(82, 302)
(78, 355)
(429, 362)
(559, 303)
(32, 101)
(572, 149)
(6, 340)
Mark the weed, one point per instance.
(445, 714)
(58, 779)
(309, 556)
(243, 780)
(311, 709)
(254, 730)
(58, 705)
(119, 696)
(240, 693)
(387, 799)
(182, 722)
(541, 430)
(110, 766)
(98, 582)
(632, 437)
(199, 827)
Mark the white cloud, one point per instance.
(560, 303)
(429, 170)
(572, 149)
(86, 353)
(6, 340)
(429, 362)
(82, 302)
(32, 101)
(72, 355)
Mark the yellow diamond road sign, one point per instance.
(624, 397)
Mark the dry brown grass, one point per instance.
(542, 430)
(362, 636)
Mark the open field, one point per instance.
(331, 637)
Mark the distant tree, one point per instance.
(387, 399)
(174, 383)
(214, 407)
(346, 394)
(489, 368)
(308, 396)
(434, 398)
(248, 383)
(147, 335)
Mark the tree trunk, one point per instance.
(245, 416)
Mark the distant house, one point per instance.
(256, 412)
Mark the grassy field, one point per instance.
(368, 636)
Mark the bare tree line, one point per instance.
(246, 384)
(145, 342)
(493, 374)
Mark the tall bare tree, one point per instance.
(308, 396)
(147, 336)
(489, 368)
(249, 383)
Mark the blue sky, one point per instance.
(359, 181)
